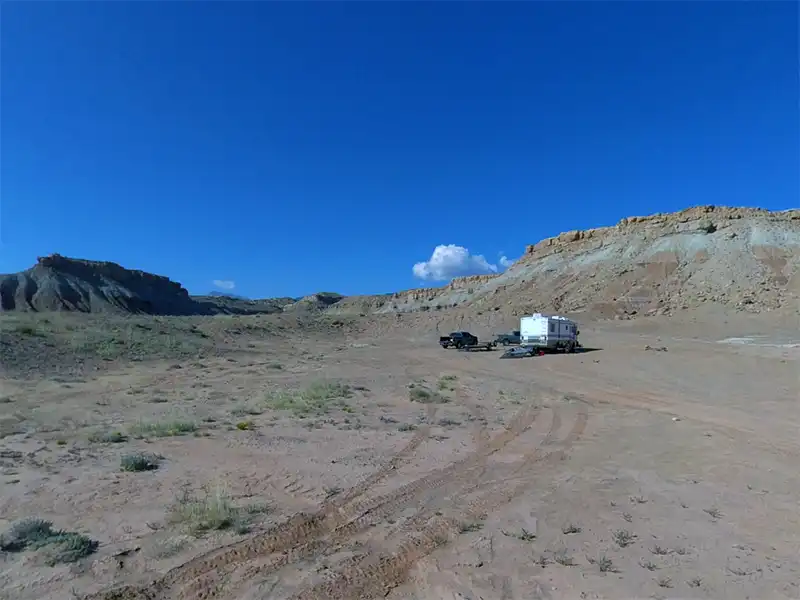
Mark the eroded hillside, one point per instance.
(59, 283)
(737, 257)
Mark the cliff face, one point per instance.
(743, 258)
(60, 283)
(738, 257)
(57, 282)
(698, 219)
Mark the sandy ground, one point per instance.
(616, 473)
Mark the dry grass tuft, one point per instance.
(317, 399)
(213, 510)
(162, 429)
(424, 395)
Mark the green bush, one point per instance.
(140, 461)
(425, 396)
(58, 546)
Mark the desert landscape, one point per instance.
(157, 445)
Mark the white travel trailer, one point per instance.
(549, 331)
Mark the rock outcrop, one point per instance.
(744, 258)
(57, 283)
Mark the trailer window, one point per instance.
(552, 328)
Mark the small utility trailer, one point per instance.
(522, 352)
(482, 347)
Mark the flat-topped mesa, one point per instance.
(86, 269)
(697, 218)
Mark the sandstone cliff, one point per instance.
(738, 257)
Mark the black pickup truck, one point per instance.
(458, 339)
(505, 339)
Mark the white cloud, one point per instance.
(506, 262)
(448, 261)
(224, 284)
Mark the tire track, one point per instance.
(303, 539)
(420, 519)
(301, 535)
(209, 581)
(478, 483)
(370, 511)
(282, 537)
(376, 576)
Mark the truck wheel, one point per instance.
(504, 342)
(570, 347)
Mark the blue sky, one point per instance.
(297, 147)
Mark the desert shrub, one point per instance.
(212, 510)
(446, 383)
(57, 545)
(67, 547)
(140, 461)
(423, 395)
(623, 537)
(162, 429)
(317, 399)
(23, 534)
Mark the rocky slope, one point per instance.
(231, 305)
(314, 302)
(743, 258)
(59, 283)
(738, 257)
